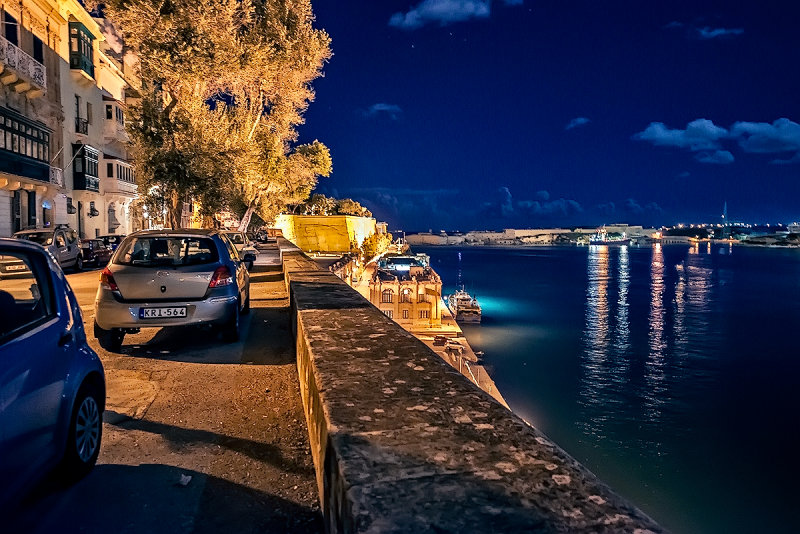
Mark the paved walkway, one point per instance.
(199, 435)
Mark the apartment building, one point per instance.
(63, 157)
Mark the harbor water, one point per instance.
(669, 371)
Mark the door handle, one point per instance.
(65, 339)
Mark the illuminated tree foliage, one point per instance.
(225, 85)
(320, 204)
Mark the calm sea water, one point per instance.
(669, 371)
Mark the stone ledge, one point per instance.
(404, 443)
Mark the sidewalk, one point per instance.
(199, 435)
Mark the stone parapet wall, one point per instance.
(404, 443)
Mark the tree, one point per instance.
(375, 244)
(225, 85)
(348, 206)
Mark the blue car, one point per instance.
(52, 385)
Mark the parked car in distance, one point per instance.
(52, 384)
(95, 252)
(61, 241)
(112, 241)
(164, 278)
(243, 244)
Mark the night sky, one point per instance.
(469, 114)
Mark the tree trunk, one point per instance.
(175, 210)
(246, 217)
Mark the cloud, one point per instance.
(700, 134)
(782, 135)
(577, 121)
(704, 33)
(391, 110)
(506, 208)
(708, 32)
(444, 12)
(719, 157)
(633, 207)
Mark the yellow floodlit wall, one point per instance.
(325, 233)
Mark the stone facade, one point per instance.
(410, 293)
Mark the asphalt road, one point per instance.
(199, 435)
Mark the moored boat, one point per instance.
(464, 307)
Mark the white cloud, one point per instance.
(577, 121)
(783, 135)
(392, 110)
(700, 134)
(444, 12)
(719, 157)
(708, 32)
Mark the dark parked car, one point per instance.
(52, 385)
(112, 241)
(161, 278)
(95, 252)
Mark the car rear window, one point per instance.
(167, 251)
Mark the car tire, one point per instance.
(230, 332)
(79, 263)
(110, 340)
(246, 307)
(84, 435)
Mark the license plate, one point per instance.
(17, 268)
(158, 313)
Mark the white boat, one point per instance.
(464, 307)
(601, 238)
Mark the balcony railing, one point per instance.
(57, 176)
(20, 70)
(82, 126)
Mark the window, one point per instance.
(77, 106)
(110, 170)
(424, 314)
(10, 28)
(89, 112)
(386, 296)
(167, 251)
(38, 50)
(405, 295)
(387, 313)
(24, 138)
(26, 297)
(405, 314)
(109, 111)
(60, 243)
(81, 50)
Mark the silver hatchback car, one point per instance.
(161, 278)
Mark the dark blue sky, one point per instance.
(465, 114)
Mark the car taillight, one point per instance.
(107, 280)
(221, 277)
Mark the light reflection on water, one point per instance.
(617, 385)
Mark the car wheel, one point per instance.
(246, 308)
(110, 340)
(230, 331)
(79, 263)
(85, 433)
